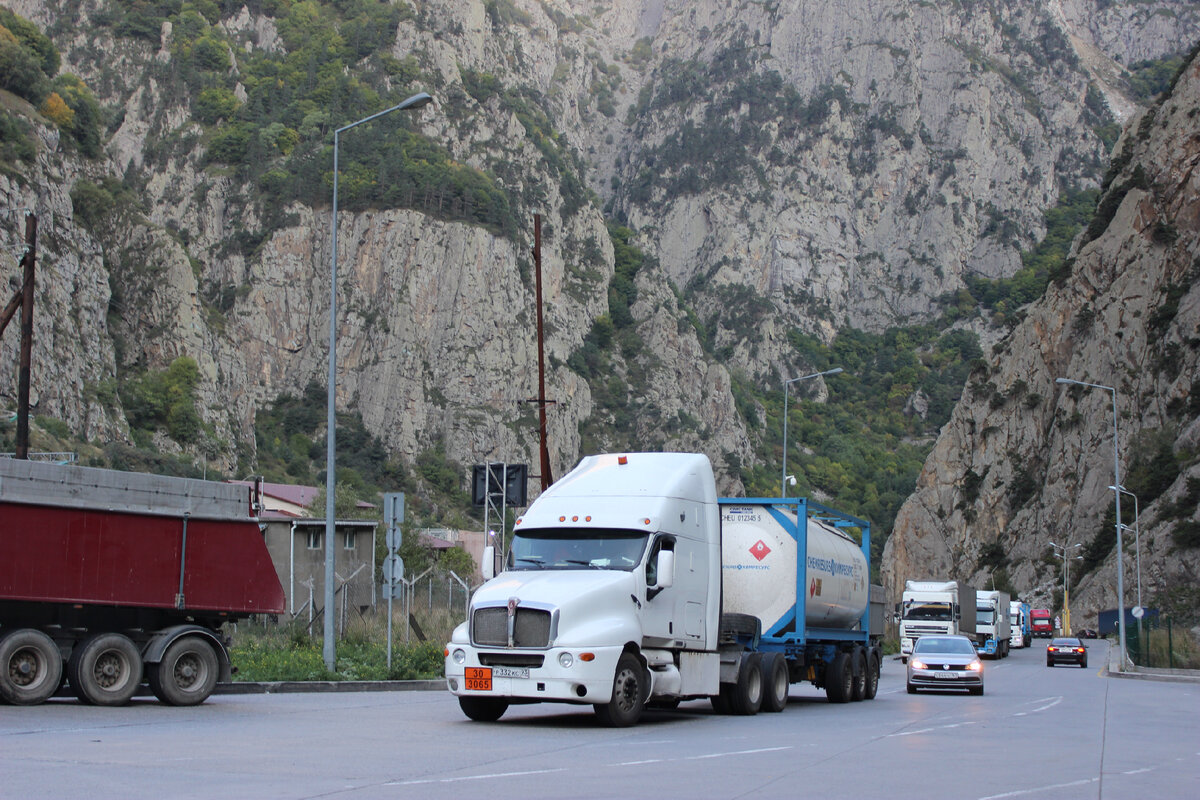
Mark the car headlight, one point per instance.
(565, 660)
(459, 656)
(917, 664)
(975, 666)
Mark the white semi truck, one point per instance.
(935, 607)
(992, 627)
(630, 583)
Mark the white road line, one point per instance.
(1020, 792)
(1138, 771)
(700, 757)
(927, 730)
(1051, 704)
(476, 777)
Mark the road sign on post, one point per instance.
(393, 518)
(393, 575)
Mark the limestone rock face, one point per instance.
(1025, 461)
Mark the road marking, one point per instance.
(1051, 704)
(476, 777)
(1138, 771)
(1020, 792)
(927, 730)
(700, 757)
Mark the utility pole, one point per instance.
(24, 300)
(542, 402)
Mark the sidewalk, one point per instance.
(281, 687)
(1134, 672)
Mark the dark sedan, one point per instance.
(1066, 650)
(1088, 633)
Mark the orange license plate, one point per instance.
(478, 679)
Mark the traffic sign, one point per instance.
(1138, 612)
(393, 517)
(393, 574)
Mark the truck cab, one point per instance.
(929, 607)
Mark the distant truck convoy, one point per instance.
(991, 623)
(630, 584)
(1020, 628)
(1042, 622)
(935, 607)
(108, 578)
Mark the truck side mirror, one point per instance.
(489, 562)
(666, 569)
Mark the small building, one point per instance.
(473, 542)
(296, 542)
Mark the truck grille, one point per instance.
(489, 627)
(511, 660)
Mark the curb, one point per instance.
(287, 687)
(1113, 670)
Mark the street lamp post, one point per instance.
(786, 384)
(1117, 495)
(330, 652)
(1137, 554)
(1066, 559)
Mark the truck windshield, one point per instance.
(924, 609)
(603, 548)
(984, 615)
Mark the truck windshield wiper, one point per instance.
(582, 563)
(537, 561)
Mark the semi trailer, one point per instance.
(109, 579)
(1021, 631)
(629, 584)
(992, 632)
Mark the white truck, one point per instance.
(1021, 633)
(992, 628)
(935, 607)
(629, 583)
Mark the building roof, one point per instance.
(298, 496)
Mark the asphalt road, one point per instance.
(1036, 733)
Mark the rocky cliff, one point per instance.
(1026, 461)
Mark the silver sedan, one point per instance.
(945, 662)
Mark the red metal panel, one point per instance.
(71, 555)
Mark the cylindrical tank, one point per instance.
(760, 576)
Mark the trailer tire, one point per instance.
(775, 682)
(30, 667)
(839, 679)
(872, 684)
(630, 687)
(483, 709)
(747, 695)
(858, 687)
(186, 674)
(105, 669)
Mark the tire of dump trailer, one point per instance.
(775, 682)
(872, 684)
(858, 663)
(483, 709)
(105, 669)
(747, 695)
(31, 667)
(186, 674)
(630, 688)
(839, 679)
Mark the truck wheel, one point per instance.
(105, 669)
(775, 682)
(720, 702)
(839, 679)
(628, 694)
(858, 688)
(30, 667)
(483, 709)
(747, 695)
(187, 673)
(872, 684)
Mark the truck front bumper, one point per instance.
(560, 678)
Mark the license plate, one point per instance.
(511, 672)
(478, 679)
(946, 676)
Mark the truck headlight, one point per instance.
(459, 656)
(565, 660)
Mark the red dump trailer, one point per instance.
(110, 578)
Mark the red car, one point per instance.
(1066, 650)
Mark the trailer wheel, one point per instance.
(30, 667)
(628, 696)
(839, 679)
(858, 686)
(747, 696)
(105, 669)
(187, 673)
(483, 709)
(872, 684)
(775, 682)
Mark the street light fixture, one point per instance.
(330, 654)
(783, 475)
(1117, 495)
(1066, 627)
